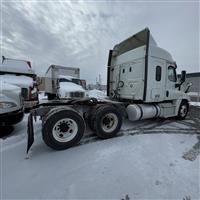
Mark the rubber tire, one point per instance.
(49, 123)
(183, 103)
(91, 117)
(90, 121)
(99, 114)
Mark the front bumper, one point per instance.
(11, 118)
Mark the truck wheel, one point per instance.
(183, 110)
(63, 129)
(90, 121)
(107, 122)
(91, 117)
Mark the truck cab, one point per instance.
(20, 73)
(63, 83)
(70, 87)
(139, 71)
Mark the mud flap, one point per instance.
(30, 132)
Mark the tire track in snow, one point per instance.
(93, 138)
(153, 128)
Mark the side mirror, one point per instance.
(182, 79)
(188, 87)
(183, 76)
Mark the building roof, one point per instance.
(191, 75)
(195, 74)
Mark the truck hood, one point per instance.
(70, 87)
(19, 81)
(10, 93)
(6, 87)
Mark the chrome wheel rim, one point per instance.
(109, 122)
(65, 130)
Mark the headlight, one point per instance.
(4, 105)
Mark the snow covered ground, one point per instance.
(195, 104)
(149, 160)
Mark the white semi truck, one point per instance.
(63, 83)
(141, 83)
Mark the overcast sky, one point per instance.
(80, 33)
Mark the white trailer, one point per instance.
(141, 83)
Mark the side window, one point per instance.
(158, 73)
(172, 74)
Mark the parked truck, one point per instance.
(63, 83)
(141, 84)
(20, 73)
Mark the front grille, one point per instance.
(24, 92)
(77, 94)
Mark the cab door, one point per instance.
(156, 80)
(171, 79)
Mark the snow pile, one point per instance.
(194, 93)
(42, 96)
(97, 94)
(195, 103)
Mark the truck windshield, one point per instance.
(64, 80)
(77, 81)
(73, 80)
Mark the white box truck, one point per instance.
(63, 83)
(141, 83)
(20, 73)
